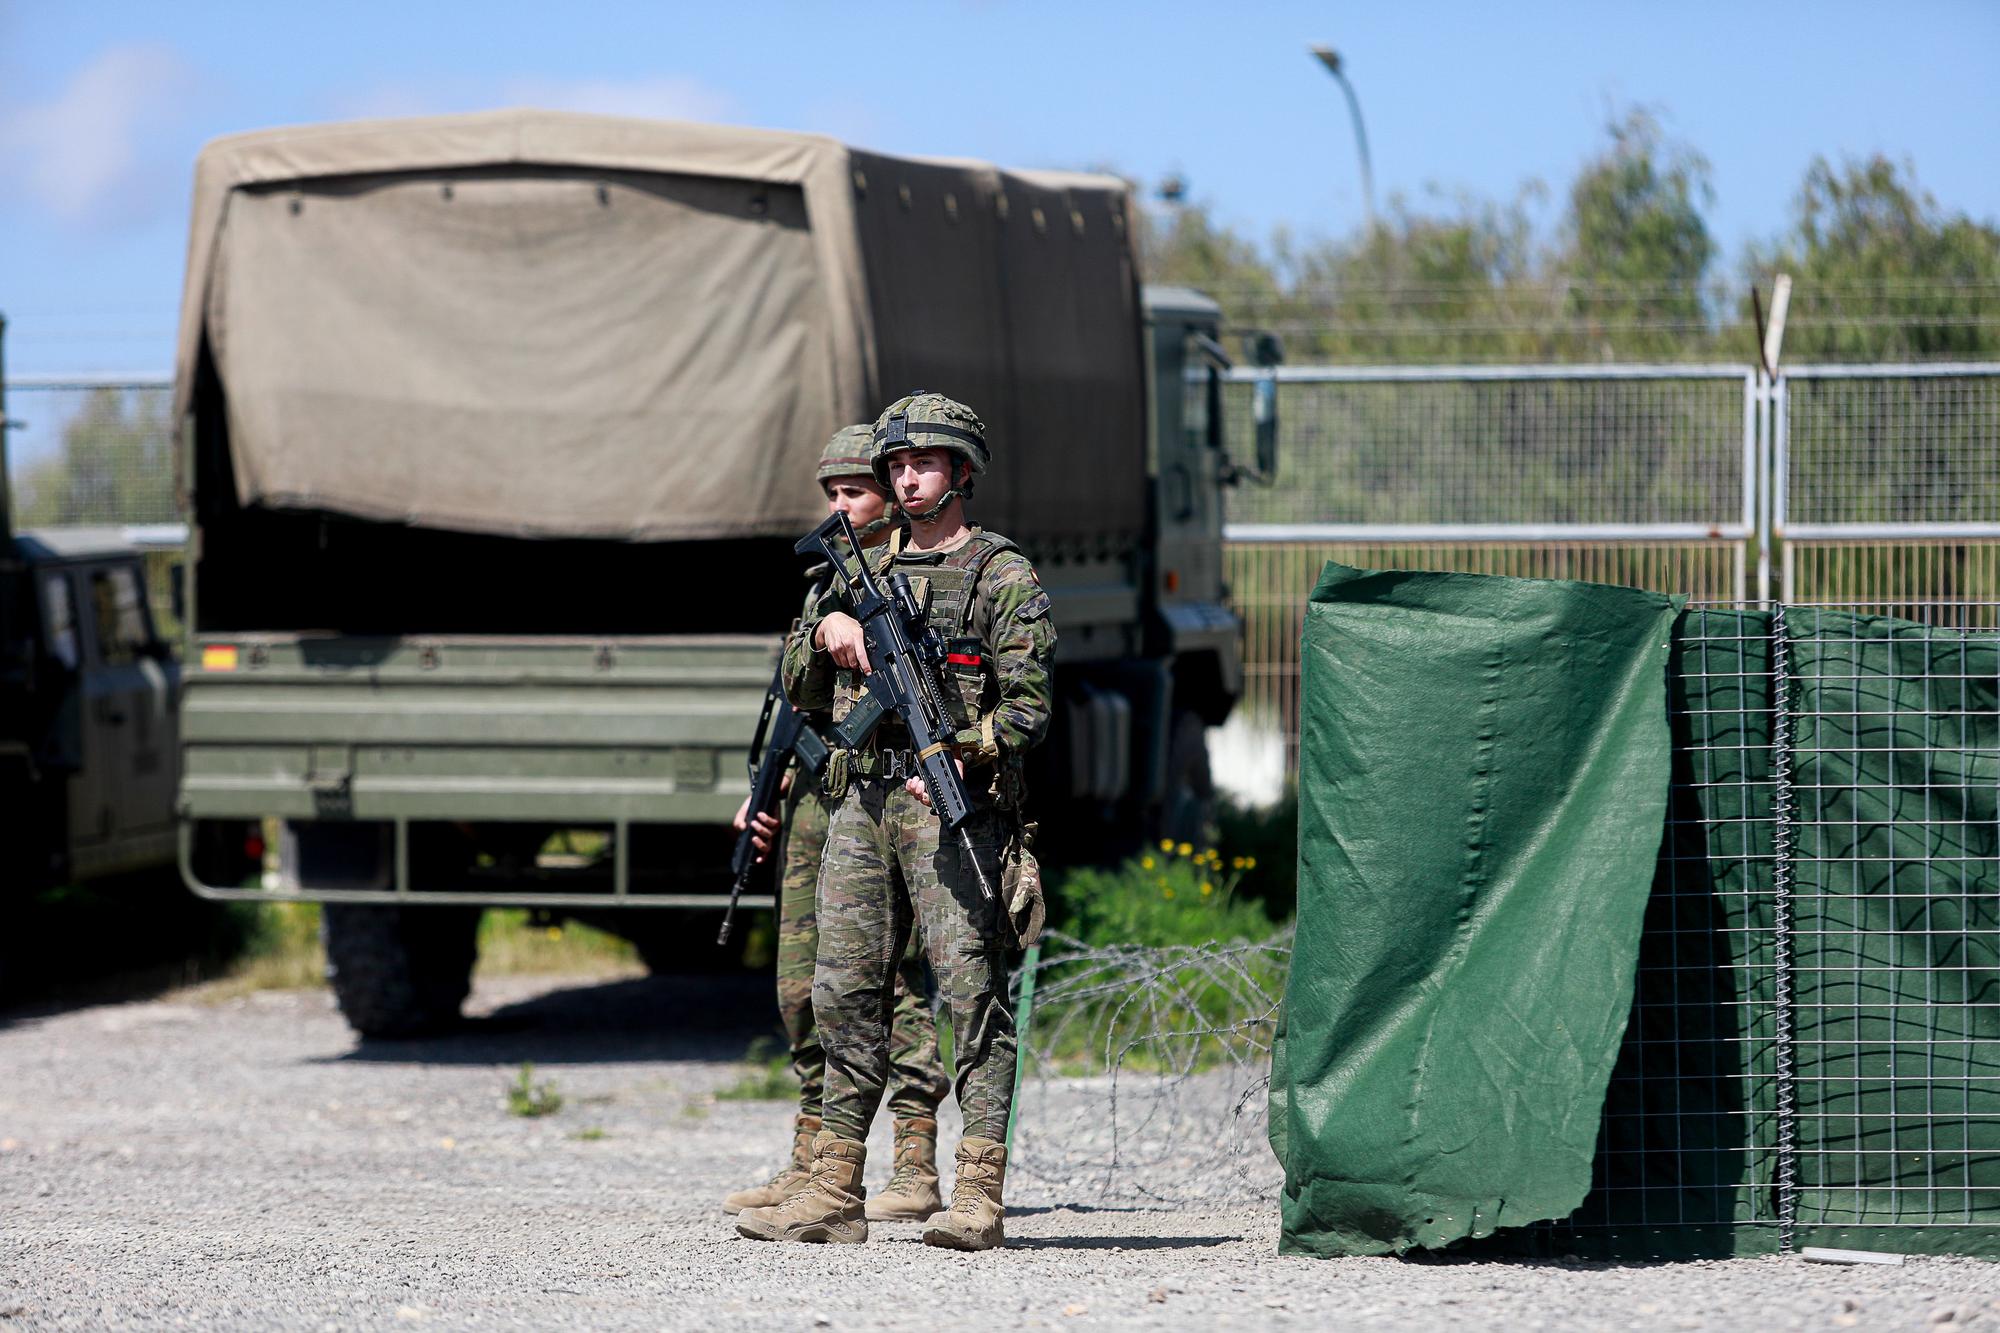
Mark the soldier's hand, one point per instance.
(917, 787)
(765, 835)
(841, 637)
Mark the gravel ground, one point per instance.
(174, 1163)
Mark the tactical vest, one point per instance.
(947, 588)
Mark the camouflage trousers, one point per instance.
(889, 869)
(916, 1072)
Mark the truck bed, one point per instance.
(477, 728)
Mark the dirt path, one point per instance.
(243, 1165)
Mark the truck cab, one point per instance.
(88, 690)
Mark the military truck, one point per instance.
(499, 430)
(87, 689)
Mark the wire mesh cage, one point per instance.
(1687, 1148)
(1813, 1050)
(1895, 870)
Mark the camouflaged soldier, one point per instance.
(916, 1073)
(887, 861)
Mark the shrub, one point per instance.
(1172, 894)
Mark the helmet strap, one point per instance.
(936, 511)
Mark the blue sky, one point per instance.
(103, 105)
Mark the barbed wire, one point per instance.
(1151, 1067)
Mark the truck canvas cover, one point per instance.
(545, 324)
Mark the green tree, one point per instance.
(1628, 271)
(1634, 250)
(1416, 286)
(116, 466)
(1881, 272)
(1184, 245)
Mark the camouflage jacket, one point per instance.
(999, 629)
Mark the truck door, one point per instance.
(123, 817)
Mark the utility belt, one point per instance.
(894, 763)
(888, 765)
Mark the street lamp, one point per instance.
(1329, 57)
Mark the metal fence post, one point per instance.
(1761, 476)
(1781, 454)
(1750, 488)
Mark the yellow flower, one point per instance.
(1166, 844)
(1166, 893)
(1146, 863)
(1206, 888)
(1185, 849)
(555, 932)
(1249, 863)
(1236, 863)
(1161, 881)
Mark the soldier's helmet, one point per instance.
(929, 421)
(847, 454)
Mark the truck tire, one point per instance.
(399, 971)
(1187, 810)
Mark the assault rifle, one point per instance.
(782, 734)
(906, 662)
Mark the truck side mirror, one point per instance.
(1268, 353)
(177, 593)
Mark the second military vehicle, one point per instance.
(499, 432)
(87, 690)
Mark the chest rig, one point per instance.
(947, 587)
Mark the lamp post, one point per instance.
(1330, 58)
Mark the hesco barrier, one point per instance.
(1812, 1052)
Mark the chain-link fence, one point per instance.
(1636, 475)
(1889, 485)
(1618, 446)
(91, 451)
(1875, 485)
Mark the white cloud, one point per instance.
(81, 154)
(661, 98)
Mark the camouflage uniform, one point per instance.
(917, 1079)
(887, 864)
(916, 1072)
(890, 867)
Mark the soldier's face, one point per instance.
(857, 497)
(920, 477)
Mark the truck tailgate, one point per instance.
(649, 729)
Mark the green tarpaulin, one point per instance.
(1877, 825)
(1483, 782)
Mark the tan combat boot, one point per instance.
(973, 1222)
(912, 1195)
(788, 1181)
(829, 1209)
